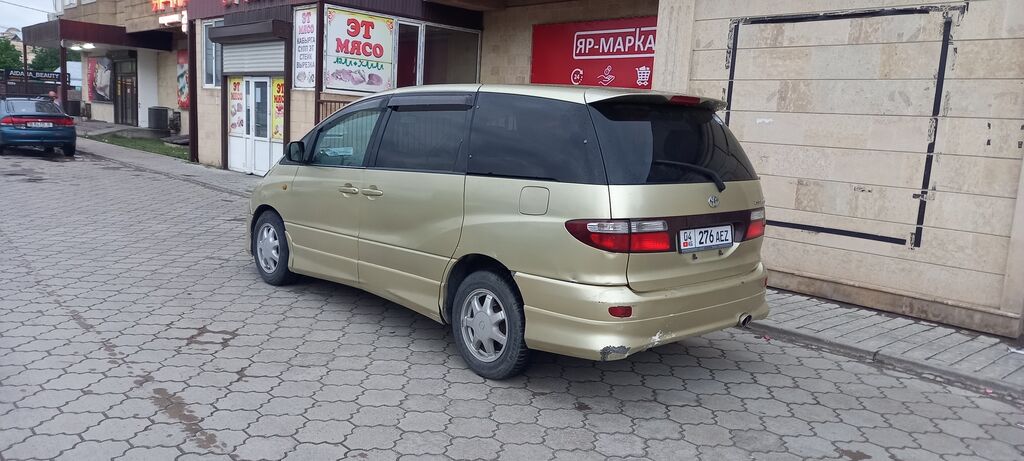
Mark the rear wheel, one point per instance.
(489, 326)
(48, 149)
(69, 150)
(270, 249)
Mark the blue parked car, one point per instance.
(36, 122)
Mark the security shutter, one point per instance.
(248, 58)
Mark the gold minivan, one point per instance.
(590, 222)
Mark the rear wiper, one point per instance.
(711, 174)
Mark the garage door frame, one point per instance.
(922, 195)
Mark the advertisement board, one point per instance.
(614, 53)
(277, 110)
(236, 107)
(359, 51)
(304, 52)
(99, 70)
(182, 74)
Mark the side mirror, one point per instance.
(296, 152)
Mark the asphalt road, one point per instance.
(134, 326)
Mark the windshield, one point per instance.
(667, 144)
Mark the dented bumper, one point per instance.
(572, 319)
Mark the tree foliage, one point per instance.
(48, 59)
(10, 57)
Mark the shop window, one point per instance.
(433, 54)
(419, 139)
(211, 56)
(450, 56)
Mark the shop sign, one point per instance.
(614, 53)
(236, 107)
(277, 116)
(358, 51)
(19, 74)
(182, 74)
(168, 5)
(304, 53)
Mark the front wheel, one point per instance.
(270, 249)
(488, 325)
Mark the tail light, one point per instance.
(622, 236)
(21, 121)
(755, 228)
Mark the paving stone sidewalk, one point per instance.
(133, 326)
(950, 353)
(209, 177)
(965, 357)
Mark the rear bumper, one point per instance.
(58, 136)
(572, 319)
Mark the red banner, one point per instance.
(616, 52)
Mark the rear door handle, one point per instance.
(348, 189)
(372, 192)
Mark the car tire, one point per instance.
(485, 307)
(48, 149)
(69, 151)
(270, 252)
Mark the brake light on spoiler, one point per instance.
(642, 236)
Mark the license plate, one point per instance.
(704, 238)
(40, 125)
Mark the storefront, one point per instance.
(134, 63)
(272, 69)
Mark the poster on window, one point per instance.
(277, 116)
(99, 69)
(359, 51)
(182, 79)
(304, 53)
(616, 53)
(236, 107)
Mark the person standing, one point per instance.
(56, 100)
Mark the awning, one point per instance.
(251, 32)
(50, 34)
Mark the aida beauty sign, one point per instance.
(616, 53)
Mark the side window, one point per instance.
(344, 142)
(423, 138)
(538, 138)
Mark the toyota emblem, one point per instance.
(713, 201)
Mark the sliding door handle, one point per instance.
(372, 192)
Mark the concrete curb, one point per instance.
(940, 373)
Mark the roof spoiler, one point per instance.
(658, 98)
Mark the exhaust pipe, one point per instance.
(744, 320)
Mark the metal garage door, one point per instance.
(840, 114)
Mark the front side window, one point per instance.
(421, 138)
(534, 138)
(211, 56)
(344, 141)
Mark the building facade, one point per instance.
(134, 59)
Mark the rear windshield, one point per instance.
(32, 107)
(658, 143)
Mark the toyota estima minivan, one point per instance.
(593, 223)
